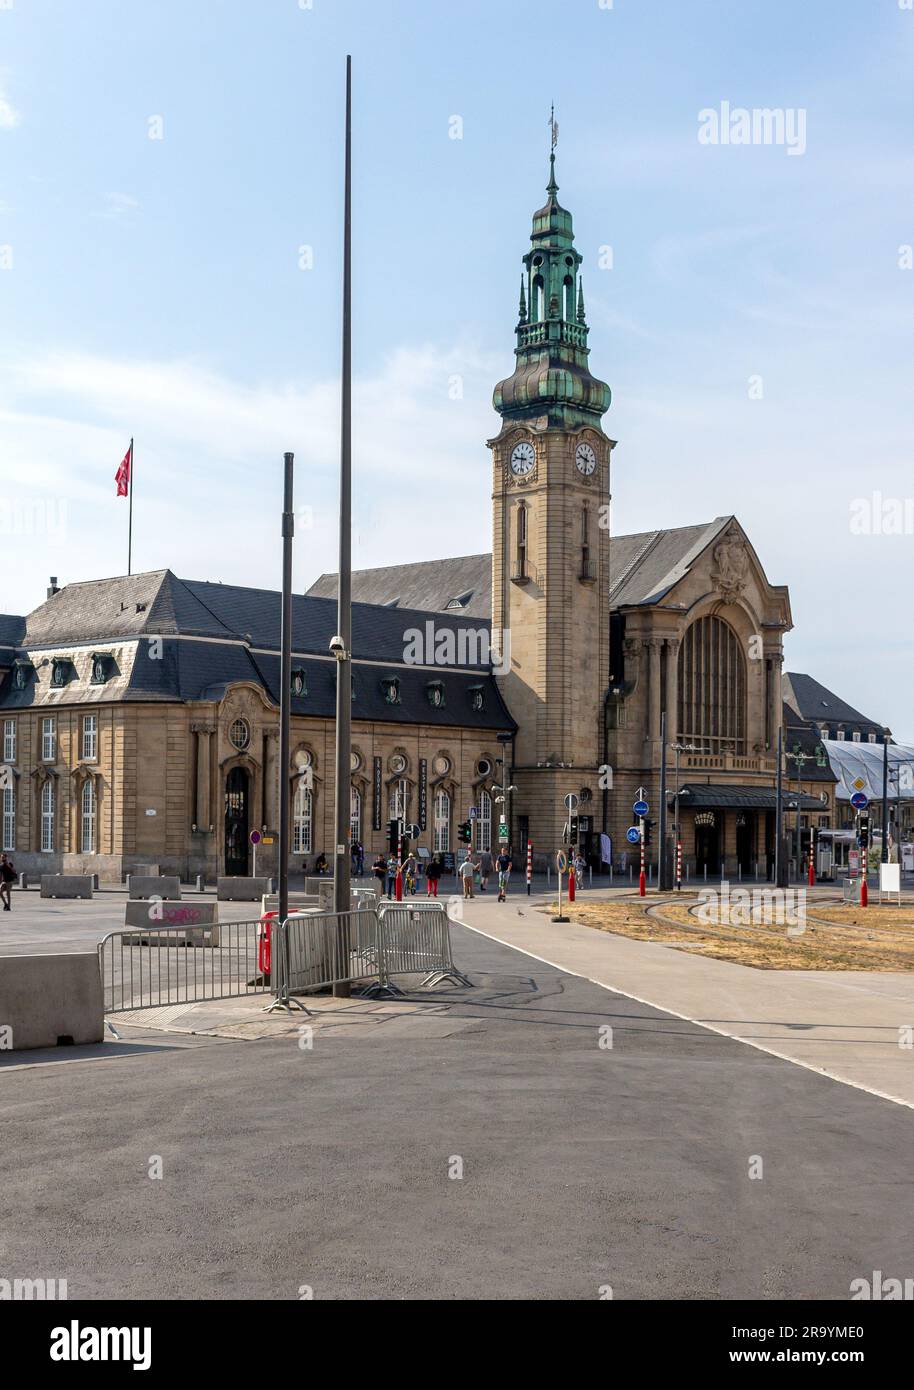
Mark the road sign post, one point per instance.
(561, 864)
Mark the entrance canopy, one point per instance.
(700, 796)
(858, 768)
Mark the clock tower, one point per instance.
(550, 566)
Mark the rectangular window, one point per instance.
(856, 735)
(9, 740)
(442, 835)
(87, 841)
(48, 739)
(9, 818)
(90, 737)
(301, 821)
(47, 817)
(872, 738)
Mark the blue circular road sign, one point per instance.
(641, 808)
(859, 800)
(633, 834)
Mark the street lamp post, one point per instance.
(677, 749)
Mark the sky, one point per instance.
(170, 269)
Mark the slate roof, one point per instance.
(801, 731)
(427, 584)
(11, 629)
(214, 634)
(643, 568)
(699, 796)
(812, 700)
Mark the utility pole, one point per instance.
(342, 642)
(663, 878)
(885, 797)
(285, 685)
(779, 867)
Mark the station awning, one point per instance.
(702, 796)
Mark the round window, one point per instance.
(483, 767)
(355, 761)
(398, 763)
(240, 734)
(441, 765)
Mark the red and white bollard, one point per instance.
(812, 867)
(642, 881)
(571, 883)
(529, 865)
(678, 865)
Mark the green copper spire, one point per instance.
(551, 378)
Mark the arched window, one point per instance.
(9, 818)
(355, 815)
(585, 541)
(302, 806)
(569, 299)
(87, 837)
(536, 299)
(398, 804)
(47, 817)
(484, 823)
(442, 829)
(520, 562)
(712, 688)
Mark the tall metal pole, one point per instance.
(130, 516)
(885, 797)
(341, 868)
(779, 812)
(285, 686)
(662, 875)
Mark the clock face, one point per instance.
(585, 459)
(523, 457)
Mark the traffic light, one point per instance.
(394, 829)
(573, 830)
(465, 832)
(864, 832)
(648, 827)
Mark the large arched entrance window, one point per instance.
(302, 816)
(712, 688)
(355, 816)
(236, 822)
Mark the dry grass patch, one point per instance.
(835, 937)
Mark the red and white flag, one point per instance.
(122, 476)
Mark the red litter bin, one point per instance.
(264, 942)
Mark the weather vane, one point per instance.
(554, 128)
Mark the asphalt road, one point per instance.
(582, 1166)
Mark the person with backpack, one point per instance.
(432, 875)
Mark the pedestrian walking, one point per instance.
(467, 870)
(580, 868)
(504, 866)
(379, 869)
(485, 869)
(432, 875)
(7, 878)
(392, 865)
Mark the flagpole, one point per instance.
(130, 519)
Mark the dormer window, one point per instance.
(390, 688)
(61, 671)
(435, 693)
(477, 698)
(22, 672)
(102, 663)
(460, 600)
(299, 683)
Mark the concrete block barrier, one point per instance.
(140, 886)
(189, 924)
(242, 890)
(49, 1000)
(66, 885)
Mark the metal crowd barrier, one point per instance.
(415, 938)
(317, 949)
(147, 967)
